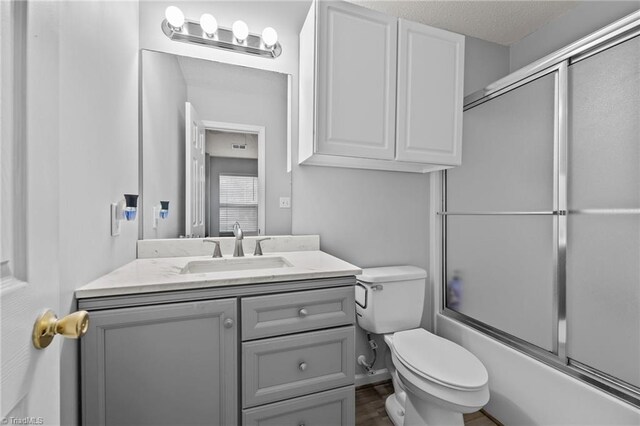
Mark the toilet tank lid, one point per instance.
(391, 273)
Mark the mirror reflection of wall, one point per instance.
(227, 100)
(233, 182)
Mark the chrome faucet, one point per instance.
(237, 231)
(258, 249)
(216, 251)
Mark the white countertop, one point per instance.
(164, 274)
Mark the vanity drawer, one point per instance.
(273, 315)
(331, 408)
(284, 367)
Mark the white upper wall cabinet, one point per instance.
(356, 81)
(352, 61)
(430, 95)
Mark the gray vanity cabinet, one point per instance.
(297, 358)
(170, 364)
(257, 354)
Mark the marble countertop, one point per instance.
(164, 274)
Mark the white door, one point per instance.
(356, 81)
(194, 173)
(430, 94)
(29, 378)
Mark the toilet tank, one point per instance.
(390, 298)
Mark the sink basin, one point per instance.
(234, 264)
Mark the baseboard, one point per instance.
(380, 375)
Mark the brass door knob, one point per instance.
(47, 325)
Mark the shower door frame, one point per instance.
(557, 63)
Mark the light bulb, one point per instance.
(269, 37)
(174, 16)
(240, 31)
(208, 24)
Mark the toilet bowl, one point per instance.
(442, 380)
(434, 379)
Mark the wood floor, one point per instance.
(370, 408)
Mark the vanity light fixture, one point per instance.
(269, 37)
(125, 209)
(160, 212)
(209, 24)
(240, 31)
(206, 32)
(174, 17)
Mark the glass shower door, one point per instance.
(603, 224)
(499, 214)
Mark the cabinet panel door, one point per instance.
(276, 314)
(161, 365)
(356, 83)
(430, 94)
(335, 407)
(284, 367)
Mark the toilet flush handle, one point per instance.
(377, 287)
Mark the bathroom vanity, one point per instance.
(196, 340)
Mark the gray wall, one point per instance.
(378, 218)
(99, 160)
(164, 93)
(224, 165)
(578, 22)
(99, 141)
(98, 155)
(259, 98)
(484, 62)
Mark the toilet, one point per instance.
(434, 379)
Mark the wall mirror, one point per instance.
(214, 146)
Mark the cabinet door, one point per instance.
(289, 366)
(356, 81)
(161, 365)
(335, 407)
(277, 314)
(430, 95)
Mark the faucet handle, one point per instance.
(216, 251)
(258, 250)
(237, 231)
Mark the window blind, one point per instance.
(238, 202)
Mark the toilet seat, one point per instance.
(439, 360)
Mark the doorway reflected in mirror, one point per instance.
(201, 119)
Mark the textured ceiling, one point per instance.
(503, 22)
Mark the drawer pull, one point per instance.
(301, 424)
(302, 366)
(303, 313)
(228, 323)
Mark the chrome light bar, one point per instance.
(192, 32)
